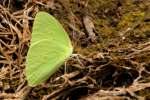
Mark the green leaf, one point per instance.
(50, 47)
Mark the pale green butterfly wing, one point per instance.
(43, 64)
(50, 47)
(46, 26)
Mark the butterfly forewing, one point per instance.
(51, 29)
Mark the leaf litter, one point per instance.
(111, 37)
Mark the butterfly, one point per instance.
(49, 48)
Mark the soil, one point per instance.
(111, 37)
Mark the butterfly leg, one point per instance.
(65, 68)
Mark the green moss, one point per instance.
(130, 19)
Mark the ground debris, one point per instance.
(115, 68)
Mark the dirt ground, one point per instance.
(112, 38)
